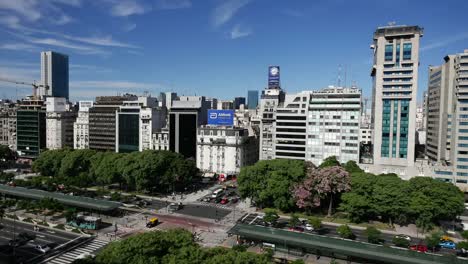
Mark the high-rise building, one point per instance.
(60, 116)
(395, 86)
(31, 128)
(54, 75)
(238, 101)
(81, 126)
(136, 120)
(102, 118)
(185, 115)
(8, 124)
(252, 99)
(225, 104)
(313, 125)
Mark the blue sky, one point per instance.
(218, 48)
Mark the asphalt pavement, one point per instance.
(11, 229)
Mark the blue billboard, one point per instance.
(273, 76)
(221, 117)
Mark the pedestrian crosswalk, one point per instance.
(215, 205)
(89, 248)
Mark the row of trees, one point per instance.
(291, 185)
(160, 171)
(173, 246)
(421, 200)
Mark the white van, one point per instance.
(217, 193)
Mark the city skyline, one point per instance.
(121, 54)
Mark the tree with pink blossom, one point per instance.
(321, 184)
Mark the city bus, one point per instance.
(85, 222)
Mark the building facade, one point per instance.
(160, 140)
(252, 99)
(395, 83)
(238, 101)
(54, 75)
(81, 126)
(60, 117)
(30, 128)
(102, 121)
(225, 149)
(8, 124)
(185, 116)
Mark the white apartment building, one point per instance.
(225, 149)
(59, 123)
(270, 99)
(8, 124)
(312, 125)
(160, 140)
(81, 126)
(365, 135)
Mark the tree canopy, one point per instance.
(173, 247)
(268, 182)
(143, 171)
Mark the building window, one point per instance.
(443, 172)
(388, 52)
(407, 51)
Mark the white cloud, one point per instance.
(100, 41)
(173, 4)
(19, 47)
(129, 27)
(62, 20)
(226, 11)
(127, 8)
(75, 3)
(445, 41)
(27, 8)
(10, 21)
(239, 32)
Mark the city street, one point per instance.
(11, 229)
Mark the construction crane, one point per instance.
(34, 85)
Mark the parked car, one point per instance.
(225, 200)
(234, 199)
(462, 252)
(217, 193)
(406, 237)
(420, 248)
(218, 199)
(206, 199)
(43, 249)
(17, 242)
(447, 244)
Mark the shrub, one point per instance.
(345, 232)
(373, 235)
(400, 242)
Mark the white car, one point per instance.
(406, 237)
(42, 249)
(308, 227)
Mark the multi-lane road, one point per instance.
(11, 229)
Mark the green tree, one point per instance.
(400, 242)
(269, 182)
(390, 197)
(315, 222)
(464, 234)
(352, 167)
(373, 235)
(433, 240)
(330, 162)
(462, 245)
(75, 167)
(271, 216)
(345, 232)
(294, 221)
(7, 156)
(49, 162)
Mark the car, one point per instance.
(234, 199)
(225, 200)
(152, 222)
(447, 244)
(174, 207)
(206, 199)
(446, 239)
(218, 199)
(43, 249)
(297, 229)
(420, 248)
(308, 227)
(462, 252)
(16, 242)
(403, 236)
